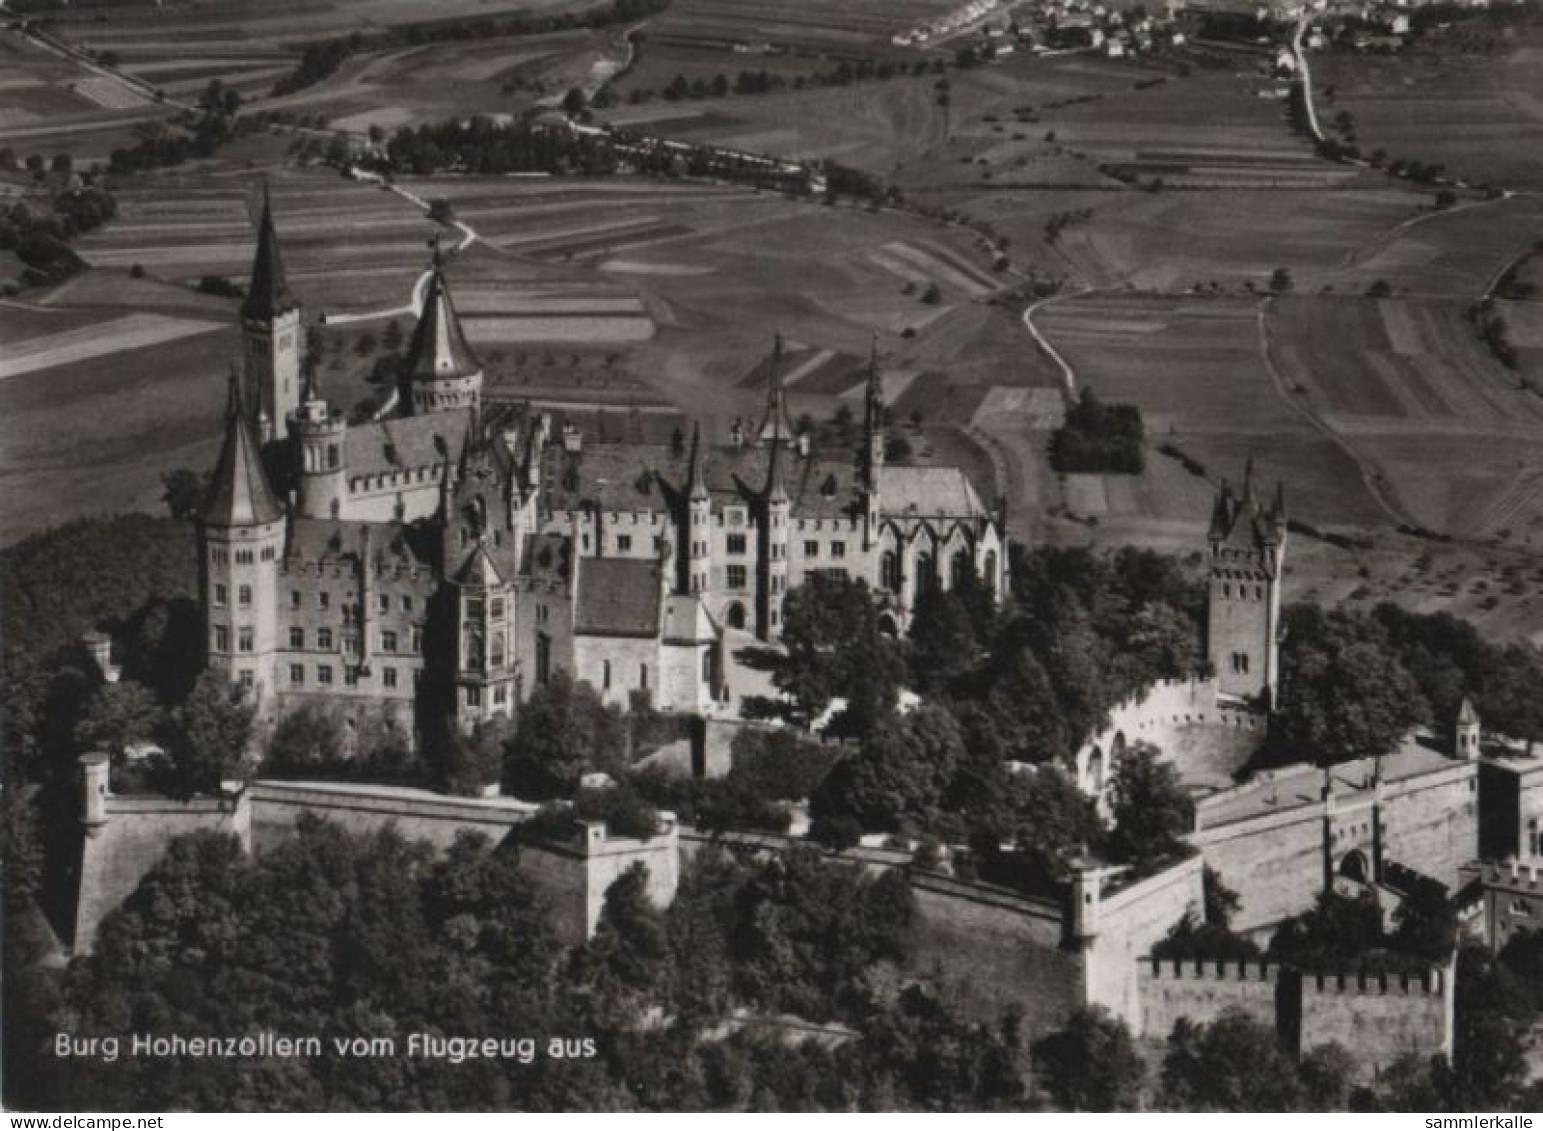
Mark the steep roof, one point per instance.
(395, 444)
(687, 621)
(329, 540)
(239, 495)
(268, 296)
(618, 597)
(1466, 715)
(479, 570)
(929, 492)
(636, 477)
(439, 347)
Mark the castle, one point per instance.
(1281, 836)
(451, 556)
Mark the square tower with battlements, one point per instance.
(1248, 551)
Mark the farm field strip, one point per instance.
(551, 329)
(133, 331)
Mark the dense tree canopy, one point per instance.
(1344, 691)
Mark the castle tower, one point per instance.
(1466, 732)
(241, 536)
(873, 451)
(318, 431)
(695, 565)
(774, 533)
(441, 372)
(1247, 553)
(270, 333)
(480, 556)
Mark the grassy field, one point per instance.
(50, 104)
(1478, 113)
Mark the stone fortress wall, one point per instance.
(1378, 1017)
(1207, 737)
(126, 836)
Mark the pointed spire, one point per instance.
(439, 347)
(240, 494)
(1248, 484)
(875, 388)
(696, 480)
(775, 491)
(776, 395)
(268, 296)
(1221, 512)
(1466, 715)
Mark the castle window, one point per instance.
(500, 695)
(543, 657)
(221, 638)
(774, 618)
(383, 602)
(889, 571)
(624, 543)
(474, 696)
(351, 676)
(498, 650)
(388, 642)
(351, 644)
(243, 557)
(605, 675)
(838, 549)
(268, 554)
(474, 608)
(407, 602)
(498, 608)
(811, 549)
(736, 577)
(324, 673)
(324, 600)
(643, 676)
(324, 638)
(1226, 591)
(244, 595)
(219, 596)
(1534, 845)
(736, 543)
(541, 614)
(350, 614)
(244, 640)
(244, 677)
(297, 638)
(297, 673)
(417, 640)
(333, 457)
(474, 652)
(1240, 663)
(294, 598)
(388, 677)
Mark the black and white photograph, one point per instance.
(771, 556)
